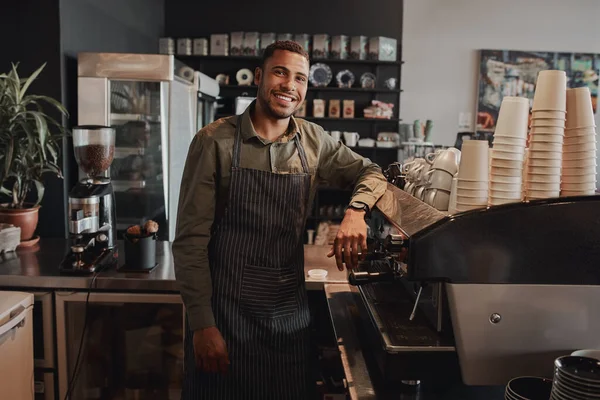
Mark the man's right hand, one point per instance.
(210, 350)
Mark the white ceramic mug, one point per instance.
(351, 138)
(336, 135)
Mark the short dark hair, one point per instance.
(286, 45)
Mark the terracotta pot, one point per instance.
(24, 218)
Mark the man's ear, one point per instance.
(257, 75)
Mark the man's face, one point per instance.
(282, 83)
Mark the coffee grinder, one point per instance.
(92, 222)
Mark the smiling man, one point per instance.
(239, 259)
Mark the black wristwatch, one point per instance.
(360, 206)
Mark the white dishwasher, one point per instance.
(16, 345)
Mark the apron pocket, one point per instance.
(269, 292)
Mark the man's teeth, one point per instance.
(285, 98)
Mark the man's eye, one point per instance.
(301, 79)
(280, 73)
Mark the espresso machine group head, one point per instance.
(92, 222)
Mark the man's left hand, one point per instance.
(351, 235)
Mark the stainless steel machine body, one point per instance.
(511, 287)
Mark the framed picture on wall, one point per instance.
(514, 73)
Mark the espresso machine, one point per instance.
(92, 221)
(486, 295)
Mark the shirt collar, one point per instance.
(248, 132)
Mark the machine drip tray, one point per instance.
(390, 306)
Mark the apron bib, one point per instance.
(259, 297)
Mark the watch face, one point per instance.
(358, 205)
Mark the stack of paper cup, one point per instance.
(546, 136)
(579, 149)
(472, 182)
(508, 154)
(452, 202)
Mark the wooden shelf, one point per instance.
(313, 61)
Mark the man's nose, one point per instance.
(289, 85)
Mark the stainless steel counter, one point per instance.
(37, 267)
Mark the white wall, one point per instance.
(441, 39)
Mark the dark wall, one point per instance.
(54, 31)
(334, 17)
(30, 32)
(114, 26)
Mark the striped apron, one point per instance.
(259, 296)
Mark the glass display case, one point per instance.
(132, 347)
(156, 105)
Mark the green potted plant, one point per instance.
(28, 149)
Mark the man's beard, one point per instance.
(265, 101)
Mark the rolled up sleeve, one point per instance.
(195, 217)
(341, 167)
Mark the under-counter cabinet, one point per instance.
(132, 347)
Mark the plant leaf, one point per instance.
(34, 98)
(42, 128)
(30, 81)
(5, 191)
(39, 189)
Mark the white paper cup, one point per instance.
(493, 201)
(498, 162)
(555, 155)
(532, 169)
(579, 155)
(507, 148)
(468, 207)
(542, 186)
(543, 138)
(505, 187)
(471, 201)
(547, 130)
(534, 198)
(472, 193)
(494, 171)
(452, 201)
(583, 163)
(548, 114)
(578, 186)
(579, 107)
(509, 140)
(542, 178)
(504, 155)
(578, 148)
(584, 131)
(474, 161)
(542, 122)
(472, 185)
(506, 179)
(583, 139)
(568, 193)
(514, 195)
(550, 91)
(574, 173)
(545, 146)
(541, 194)
(545, 162)
(513, 117)
(568, 179)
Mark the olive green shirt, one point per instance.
(205, 188)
